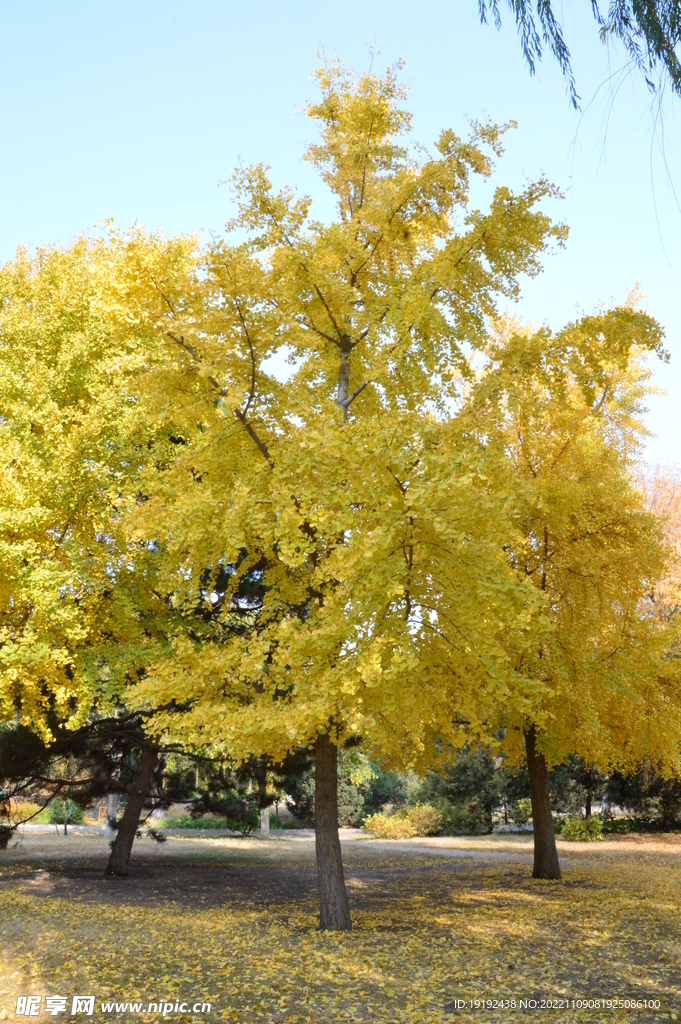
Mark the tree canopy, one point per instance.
(305, 484)
(339, 521)
(69, 595)
(567, 411)
(357, 547)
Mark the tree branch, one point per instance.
(261, 446)
(345, 404)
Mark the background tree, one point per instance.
(362, 789)
(649, 793)
(574, 786)
(466, 793)
(114, 754)
(566, 408)
(84, 764)
(80, 616)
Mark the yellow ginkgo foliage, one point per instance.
(661, 488)
(566, 409)
(78, 618)
(284, 500)
(330, 536)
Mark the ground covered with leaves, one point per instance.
(234, 923)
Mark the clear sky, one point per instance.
(136, 111)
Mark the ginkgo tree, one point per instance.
(566, 409)
(348, 532)
(57, 545)
(78, 619)
(661, 489)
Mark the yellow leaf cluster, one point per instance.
(382, 541)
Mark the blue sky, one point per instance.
(137, 111)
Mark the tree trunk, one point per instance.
(334, 911)
(112, 804)
(127, 830)
(667, 808)
(587, 804)
(343, 382)
(264, 823)
(545, 853)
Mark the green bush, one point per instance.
(464, 819)
(521, 811)
(582, 829)
(465, 793)
(639, 823)
(405, 823)
(74, 813)
(246, 825)
(290, 823)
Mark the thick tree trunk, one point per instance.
(127, 830)
(334, 910)
(545, 853)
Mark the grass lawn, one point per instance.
(234, 922)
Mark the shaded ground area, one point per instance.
(234, 922)
(229, 873)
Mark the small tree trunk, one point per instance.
(334, 910)
(667, 808)
(545, 853)
(587, 804)
(264, 823)
(127, 830)
(112, 804)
